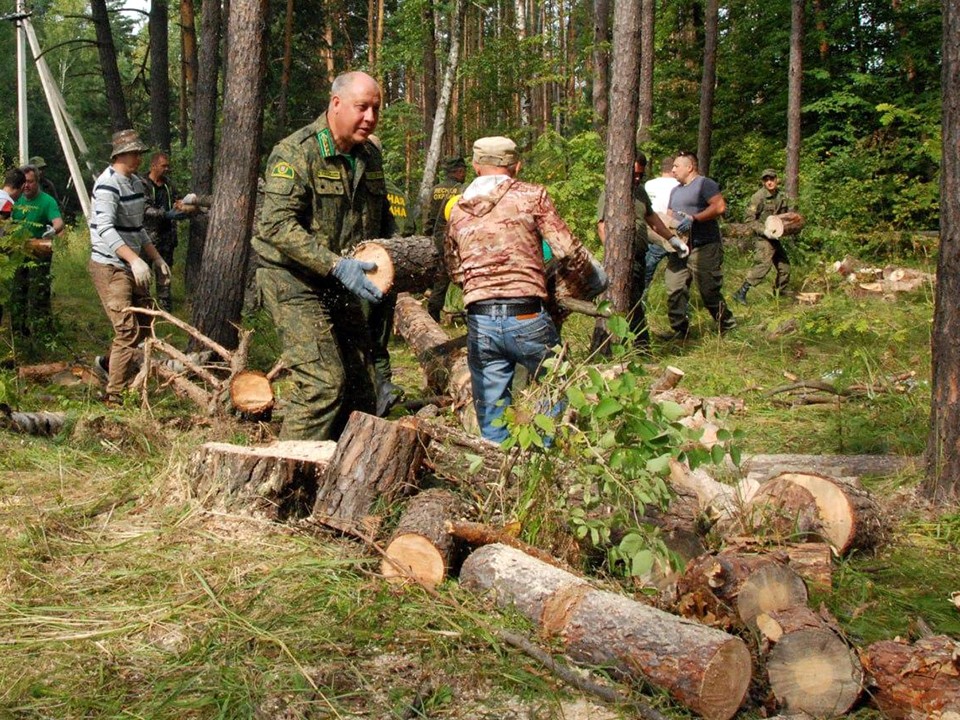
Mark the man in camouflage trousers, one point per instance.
(768, 251)
(324, 193)
(455, 169)
(494, 251)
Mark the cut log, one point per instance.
(764, 467)
(782, 225)
(705, 669)
(465, 460)
(748, 584)
(811, 668)
(41, 371)
(277, 482)
(376, 461)
(782, 511)
(479, 534)
(415, 261)
(32, 423)
(914, 682)
(668, 380)
(444, 361)
(251, 393)
(40, 248)
(849, 515)
(383, 275)
(813, 562)
(422, 546)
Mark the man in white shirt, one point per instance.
(658, 189)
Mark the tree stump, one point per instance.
(277, 482)
(444, 361)
(421, 544)
(810, 668)
(376, 461)
(748, 584)
(849, 515)
(914, 682)
(415, 261)
(705, 669)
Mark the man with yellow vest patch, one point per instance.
(324, 192)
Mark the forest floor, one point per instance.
(120, 597)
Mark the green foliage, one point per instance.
(609, 462)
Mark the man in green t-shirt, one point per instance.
(37, 213)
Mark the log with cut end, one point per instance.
(782, 510)
(414, 261)
(41, 371)
(813, 562)
(669, 378)
(910, 682)
(251, 393)
(422, 548)
(705, 669)
(849, 515)
(749, 584)
(463, 459)
(810, 667)
(382, 274)
(444, 361)
(41, 422)
(376, 460)
(777, 226)
(763, 467)
(277, 482)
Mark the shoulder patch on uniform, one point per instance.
(284, 170)
(328, 174)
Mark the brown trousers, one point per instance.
(117, 291)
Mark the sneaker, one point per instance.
(728, 325)
(101, 367)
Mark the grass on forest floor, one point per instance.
(120, 598)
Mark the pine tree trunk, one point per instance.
(188, 67)
(113, 85)
(159, 75)
(219, 296)
(429, 68)
(204, 126)
(794, 98)
(708, 84)
(601, 65)
(647, 29)
(943, 442)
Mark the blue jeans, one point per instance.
(495, 345)
(655, 253)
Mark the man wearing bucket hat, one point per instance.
(494, 250)
(768, 251)
(455, 171)
(118, 241)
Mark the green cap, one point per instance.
(38, 162)
(454, 162)
(769, 172)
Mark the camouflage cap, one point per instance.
(454, 162)
(38, 162)
(125, 141)
(769, 172)
(498, 151)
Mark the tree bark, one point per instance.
(204, 126)
(287, 64)
(706, 670)
(422, 545)
(708, 84)
(647, 30)
(415, 261)
(778, 226)
(794, 98)
(601, 65)
(188, 66)
(914, 682)
(219, 297)
(160, 74)
(429, 70)
(618, 174)
(113, 85)
(943, 442)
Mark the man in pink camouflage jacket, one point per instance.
(493, 250)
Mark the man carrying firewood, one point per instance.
(768, 251)
(324, 193)
(494, 251)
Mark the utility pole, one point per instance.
(19, 17)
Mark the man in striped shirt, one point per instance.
(118, 240)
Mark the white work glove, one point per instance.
(163, 272)
(680, 246)
(189, 199)
(141, 274)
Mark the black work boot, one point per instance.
(741, 295)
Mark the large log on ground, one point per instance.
(914, 682)
(782, 510)
(810, 667)
(705, 669)
(749, 584)
(784, 224)
(376, 461)
(422, 547)
(415, 260)
(462, 459)
(763, 467)
(277, 482)
(444, 361)
(849, 515)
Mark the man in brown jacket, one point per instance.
(494, 251)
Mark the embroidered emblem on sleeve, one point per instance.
(282, 170)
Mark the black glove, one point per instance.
(175, 215)
(352, 273)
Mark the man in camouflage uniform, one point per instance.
(163, 210)
(455, 170)
(494, 251)
(768, 251)
(324, 193)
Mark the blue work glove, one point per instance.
(175, 215)
(598, 280)
(686, 222)
(352, 273)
